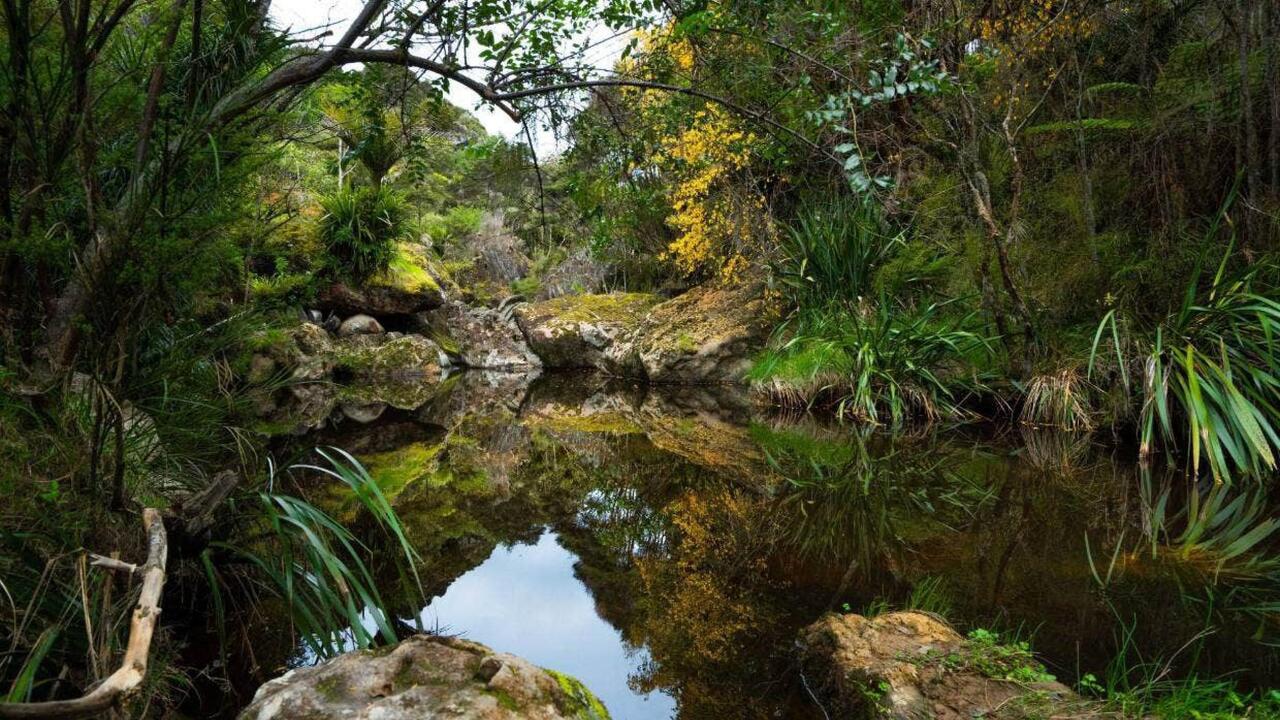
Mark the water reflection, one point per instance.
(705, 538)
(525, 600)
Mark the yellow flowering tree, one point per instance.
(716, 213)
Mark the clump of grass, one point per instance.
(1061, 400)
(879, 365)
(1211, 377)
(321, 570)
(832, 251)
(360, 229)
(1133, 686)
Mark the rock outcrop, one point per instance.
(707, 335)
(405, 287)
(912, 666)
(480, 338)
(576, 331)
(425, 677)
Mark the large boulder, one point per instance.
(407, 286)
(707, 335)
(392, 355)
(320, 371)
(575, 331)
(425, 677)
(480, 338)
(912, 666)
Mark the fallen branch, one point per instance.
(195, 515)
(134, 667)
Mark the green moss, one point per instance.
(395, 469)
(268, 339)
(504, 699)
(610, 423)
(407, 271)
(404, 353)
(587, 705)
(331, 689)
(685, 343)
(608, 307)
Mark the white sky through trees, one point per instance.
(307, 18)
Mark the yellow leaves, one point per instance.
(681, 52)
(711, 212)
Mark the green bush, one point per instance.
(360, 229)
(454, 225)
(881, 364)
(831, 252)
(1211, 376)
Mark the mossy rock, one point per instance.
(407, 286)
(575, 331)
(366, 356)
(422, 677)
(904, 665)
(707, 335)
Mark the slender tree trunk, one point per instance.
(1249, 126)
(1273, 88)
(1082, 167)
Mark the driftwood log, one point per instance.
(134, 667)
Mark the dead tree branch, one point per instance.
(133, 669)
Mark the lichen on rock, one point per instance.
(912, 666)
(575, 331)
(423, 677)
(707, 335)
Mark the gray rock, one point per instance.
(425, 677)
(576, 331)
(481, 338)
(359, 325)
(707, 335)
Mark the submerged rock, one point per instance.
(909, 666)
(320, 371)
(425, 677)
(575, 331)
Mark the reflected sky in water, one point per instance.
(526, 601)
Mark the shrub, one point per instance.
(1211, 376)
(454, 225)
(830, 253)
(885, 364)
(360, 229)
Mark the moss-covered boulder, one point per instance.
(909, 665)
(576, 331)
(707, 335)
(425, 677)
(407, 286)
(303, 374)
(379, 357)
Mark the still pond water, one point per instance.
(666, 545)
